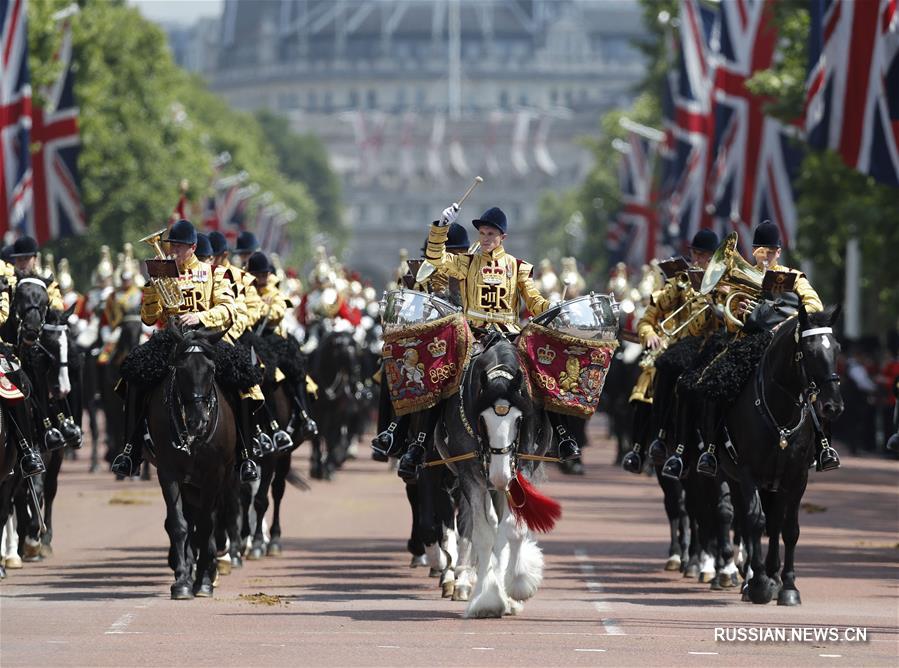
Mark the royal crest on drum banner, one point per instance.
(424, 362)
(567, 372)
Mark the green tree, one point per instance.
(145, 125)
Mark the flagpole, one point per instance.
(852, 298)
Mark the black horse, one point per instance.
(193, 430)
(54, 366)
(774, 426)
(336, 369)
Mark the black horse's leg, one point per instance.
(28, 518)
(204, 523)
(641, 429)
(51, 486)
(676, 511)
(177, 528)
(759, 588)
(774, 512)
(724, 518)
(789, 594)
(260, 505)
(316, 466)
(279, 483)
(415, 545)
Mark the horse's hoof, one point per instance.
(223, 566)
(2, 573)
(691, 571)
(727, 580)
(273, 550)
(256, 553)
(715, 584)
(237, 562)
(46, 551)
(789, 597)
(706, 577)
(32, 552)
(673, 563)
(761, 591)
(744, 593)
(203, 590)
(181, 592)
(462, 593)
(449, 590)
(215, 580)
(13, 562)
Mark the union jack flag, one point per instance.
(634, 237)
(750, 176)
(852, 98)
(687, 106)
(57, 210)
(15, 116)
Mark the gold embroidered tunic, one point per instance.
(206, 292)
(807, 294)
(493, 284)
(246, 298)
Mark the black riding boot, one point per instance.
(249, 472)
(386, 440)
(281, 440)
(127, 462)
(413, 459)
(633, 461)
(569, 449)
(30, 459)
(308, 426)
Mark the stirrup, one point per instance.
(409, 463)
(53, 438)
(31, 463)
(633, 461)
(122, 464)
(383, 443)
(280, 438)
(249, 472)
(828, 459)
(708, 463)
(262, 442)
(674, 467)
(568, 447)
(658, 450)
(71, 432)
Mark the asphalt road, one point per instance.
(343, 593)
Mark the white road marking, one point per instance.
(831, 656)
(703, 653)
(388, 646)
(589, 650)
(121, 624)
(612, 627)
(483, 648)
(594, 587)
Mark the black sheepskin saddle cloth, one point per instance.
(679, 356)
(727, 374)
(708, 351)
(278, 352)
(149, 363)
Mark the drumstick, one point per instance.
(427, 269)
(477, 181)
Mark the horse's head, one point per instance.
(339, 351)
(29, 305)
(55, 346)
(504, 409)
(819, 350)
(193, 392)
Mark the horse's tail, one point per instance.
(537, 510)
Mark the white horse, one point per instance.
(508, 562)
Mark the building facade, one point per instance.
(413, 98)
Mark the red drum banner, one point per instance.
(424, 362)
(567, 372)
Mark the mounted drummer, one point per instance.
(493, 285)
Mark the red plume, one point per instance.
(528, 505)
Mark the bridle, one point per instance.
(32, 307)
(177, 402)
(808, 395)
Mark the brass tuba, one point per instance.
(167, 287)
(730, 274)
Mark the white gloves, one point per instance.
(449, 215)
